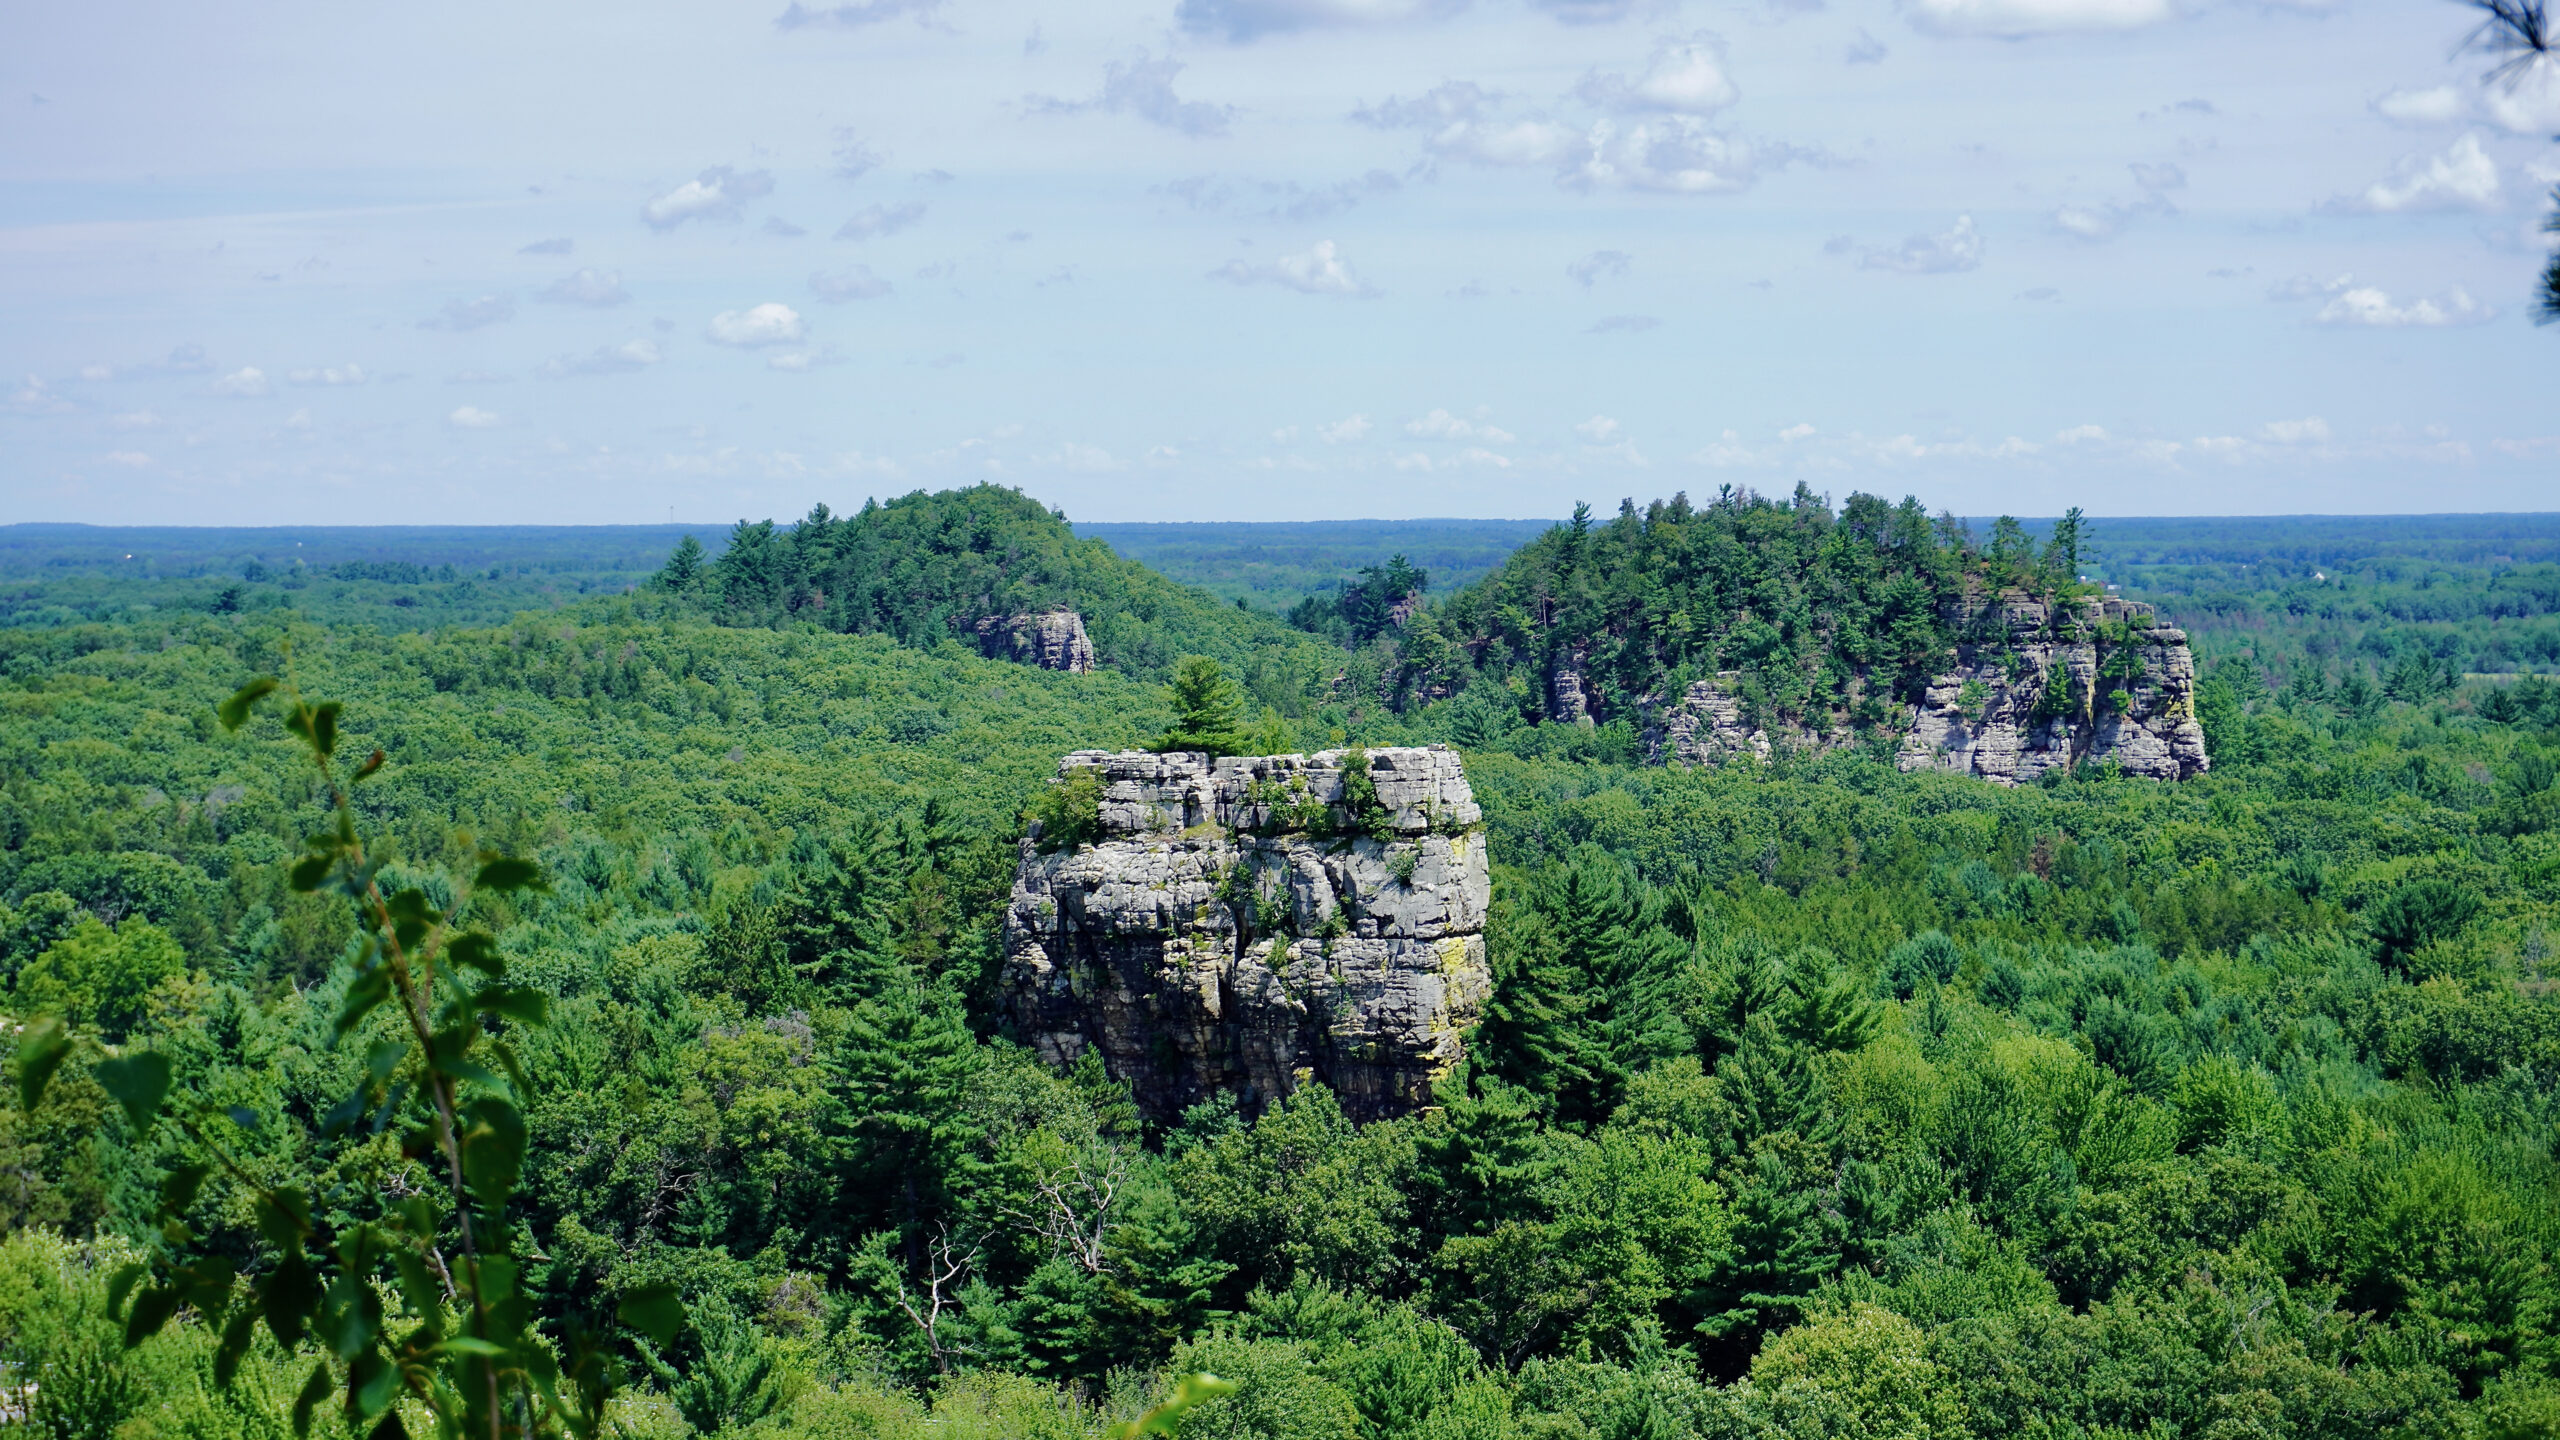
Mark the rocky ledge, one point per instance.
(2101, 682)
(1248, 924)
(1052, 640)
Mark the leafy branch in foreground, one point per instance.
(463, 1346)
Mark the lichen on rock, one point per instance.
(1242, 922)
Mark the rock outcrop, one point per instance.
(1249, 924)
(1052, 640)
(2029, 692)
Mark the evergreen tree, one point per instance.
(684, 567)
(1785, 1244)
(905, 1074)
(1208, 710)
(1584, 1000)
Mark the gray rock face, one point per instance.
(2103, 684)
(1054, 640)
(2046, 700)
(1238, 927)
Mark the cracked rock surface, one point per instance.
(2100, 684)
(1237, 927)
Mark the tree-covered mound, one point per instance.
(1823, 613)
(929, 567)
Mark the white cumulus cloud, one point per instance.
(2528, 101)
(716, 194)
(1599, 430)
(2310, 430)
(1342, 432)
(1321, 270)
(1677, 154)
(771, 323)
(471, 417)
(2436, 105)
(2462, 178)
(1687, 76)
(2368, 305)
(247, 380)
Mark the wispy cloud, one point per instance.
(874, 221)
(586, 287)
(477, 313)
(1143, 88)
(1321, 270)
(1945, 253)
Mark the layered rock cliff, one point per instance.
(1052, 640)
(1249, 924)
(2031, 691)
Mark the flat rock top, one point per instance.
(1423, 786)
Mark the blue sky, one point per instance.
(1264, 259)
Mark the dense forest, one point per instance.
(1812, 1099)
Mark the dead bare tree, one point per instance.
(945, 1265)
(1077, 1190)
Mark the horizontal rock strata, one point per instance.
(1252, 923)
(2030, 692)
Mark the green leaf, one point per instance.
(151, 1310)
(314, 1390)
(234, 712)
(479, 950)
(1166, 1419)
(121, 1285)
(494, 1153)
(309, 871)
(137, 1082)
(514, 1002)
(317, 724)
(363, 993)
(40, 1052)
(291, 1293)
(505, 872)
(284, 1217)
(178, 1192)
(471, 1345)
(236, 1338)
(372, 1383)
(653, 1310)
(389, 1427)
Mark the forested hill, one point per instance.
(926, 568)
(1823, 612)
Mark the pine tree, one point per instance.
(1785, 1244)
(1208, 710)
(684, 567)
(905, 1073)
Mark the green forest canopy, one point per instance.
(1814, 1099)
